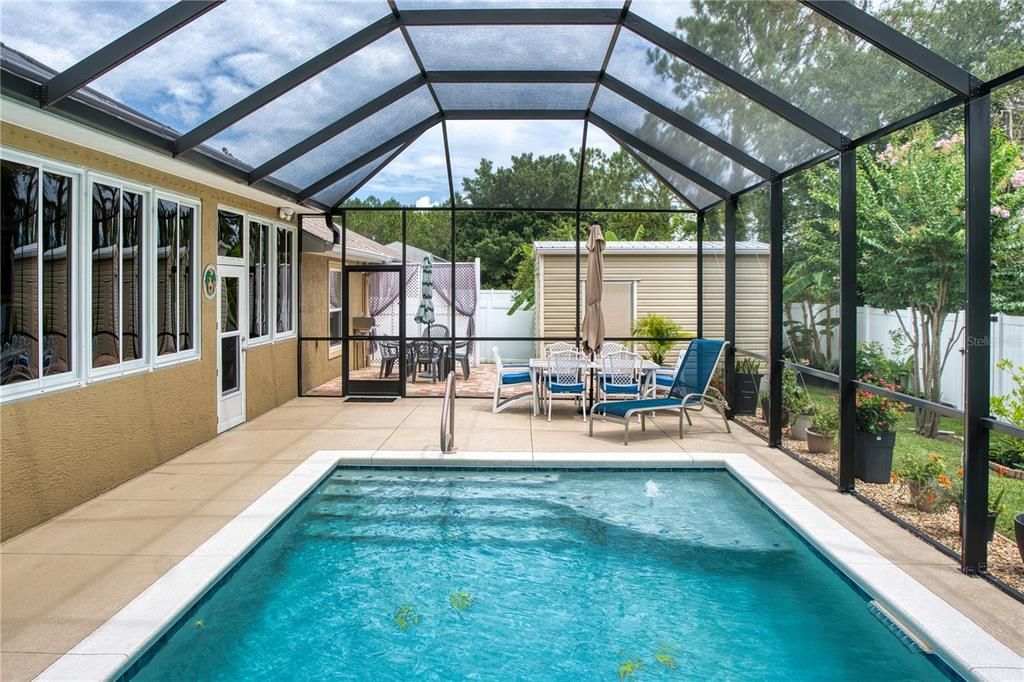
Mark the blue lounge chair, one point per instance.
(691, 390)
(508, 376)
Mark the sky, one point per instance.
(242, 45)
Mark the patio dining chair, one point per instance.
(461, 355)
(566, 376)
(428, 356)
(609, 347)
(621, 375)
(388, 357)
(507, 376)
(691, 391)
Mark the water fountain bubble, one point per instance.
(652, 489)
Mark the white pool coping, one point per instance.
(119, 642)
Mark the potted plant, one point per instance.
(926, 479)
(995, 508)
(877, 416)
(653, 326)
(797, 404)
(748, 380)
(824, 428)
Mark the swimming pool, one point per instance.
(553, 575)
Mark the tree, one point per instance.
(911, 231)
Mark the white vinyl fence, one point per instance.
(493, 320)
(876, 325)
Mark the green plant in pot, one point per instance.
(748, 381)
(657, 327)
(797, 404)
(877, 417)
(823, 429)
(995, 502)
(926, 479)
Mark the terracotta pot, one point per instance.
(923, 500)
(818, 443)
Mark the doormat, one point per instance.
(371, 399)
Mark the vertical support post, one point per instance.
(977, 364)
(451, 246)
(775, 314)
(402, 295)
(730, 300)
(346, 333)
(847, 317)
(579, 202)
(700, 274)
(298, 308)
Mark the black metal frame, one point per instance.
(57, 93)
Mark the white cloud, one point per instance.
(424, 202)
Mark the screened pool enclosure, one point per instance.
(680, 86)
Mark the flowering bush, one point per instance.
(877, 414)
(931, 488)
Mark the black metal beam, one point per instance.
(363, 159)
(279, 86)
(730, 301)
(847, 317)
(659, 156)
(650, 169)
(122, 49)
(977, 343)
(913, 401)
(340, 202)
(775, 315)
(700, 274)
(608, 53)
(334, 129)
(513, 76)
(515, 114)
(897, 45)
(689, 127)
(738, 82)
(506, 17)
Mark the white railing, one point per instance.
(448, 416)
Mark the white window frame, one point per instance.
(231, 260)
(271, 321)
(122, 368)
(335, 348)
(44, 384)
(289, 333)
(194, 353)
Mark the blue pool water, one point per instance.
(405, 575)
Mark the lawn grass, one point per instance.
(910, 445)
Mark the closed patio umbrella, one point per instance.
(425, 313)
(593, 317)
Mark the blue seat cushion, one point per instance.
(609, 387)
(665, 380)
(566, 388)
(516, 378)
(619, 408)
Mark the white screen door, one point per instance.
(231, 338)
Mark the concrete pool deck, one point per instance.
(65, 578)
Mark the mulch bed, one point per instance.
(1004, 560)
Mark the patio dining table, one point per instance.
(539, 365)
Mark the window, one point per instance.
(259, 281)
(334, 321)
(285, 274)
(36, 306)
(229, 234)
(116, 290)
(176, 268)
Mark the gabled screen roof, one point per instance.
(311, 100)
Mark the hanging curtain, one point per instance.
(465, 292)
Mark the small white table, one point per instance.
(538, 365)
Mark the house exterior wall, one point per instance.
(317, 365)
(665, 284)
(65, 447)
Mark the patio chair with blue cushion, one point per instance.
(507, 376)
(621, 375)
(691, 391)
(566, 376)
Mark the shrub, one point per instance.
(748, 366)
(795, 399)
(1006, 449)
(872, 360)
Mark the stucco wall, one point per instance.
(317, 367)
(665, 284)
(61, 449)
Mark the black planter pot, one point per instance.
(745, 401)
(1018, 531)
(991, 527)
(873, 456)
